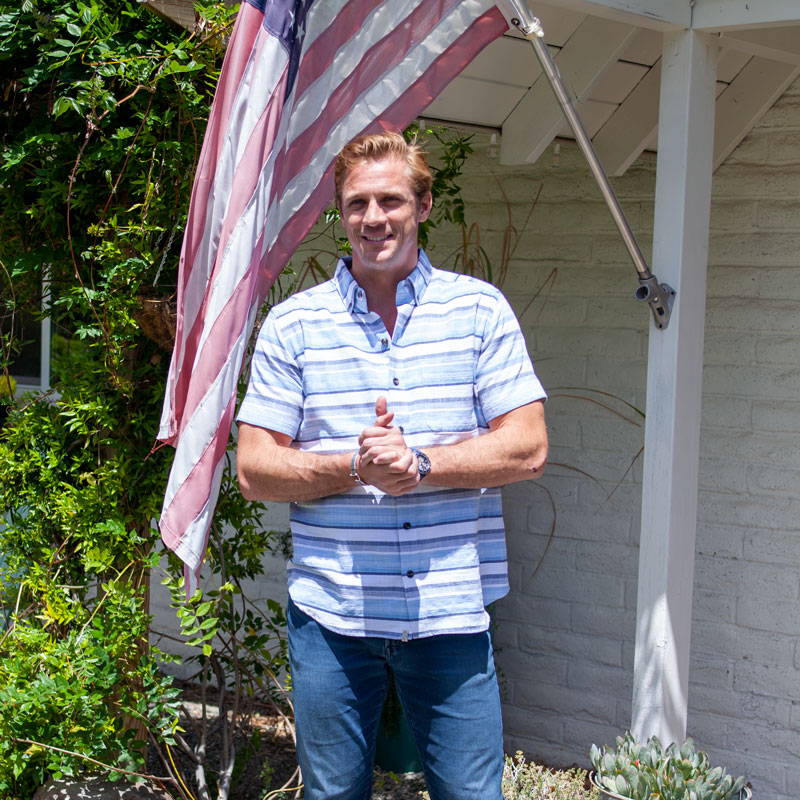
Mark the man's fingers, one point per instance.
(381, 436)
(402, 486)
(381, 427)
(381, 406)
(380, 455)
(384, 420)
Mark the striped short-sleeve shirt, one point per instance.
(365, 563)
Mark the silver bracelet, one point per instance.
(354, 469)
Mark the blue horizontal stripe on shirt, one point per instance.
(455, 361)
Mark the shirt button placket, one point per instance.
(406, 572)
(409, 572)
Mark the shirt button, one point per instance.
(410, 573)
(396, 381)
(384, 343)
(406, 525)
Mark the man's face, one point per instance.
(381, 216)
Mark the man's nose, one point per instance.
(373, 214)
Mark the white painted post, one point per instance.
(674, 379)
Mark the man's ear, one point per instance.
(425, 206)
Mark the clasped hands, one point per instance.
(384, 459)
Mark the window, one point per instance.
(30, 366)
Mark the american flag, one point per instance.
(300, 79)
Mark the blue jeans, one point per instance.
(448, 689)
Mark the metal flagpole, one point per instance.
(659, 296)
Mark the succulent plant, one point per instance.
(650, 771)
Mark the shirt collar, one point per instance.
(409, 290)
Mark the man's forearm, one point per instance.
(492, 459)
(515, 449)
(269, 469)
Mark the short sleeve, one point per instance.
(504, 378)
(274, 397)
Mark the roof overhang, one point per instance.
(721, 15)
(701, 15)
(660, 15)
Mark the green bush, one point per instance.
(73, 690)
(104, 107)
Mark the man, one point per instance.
(381, 404)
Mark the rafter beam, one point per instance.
(532, 125)
(718, 15)
(754, 90)
(621, 140)
(778, 44)
(660, 15)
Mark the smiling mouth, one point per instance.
(376, 238)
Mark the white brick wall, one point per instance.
(565, 635)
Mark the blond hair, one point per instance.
(376, 147)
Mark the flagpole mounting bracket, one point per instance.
(659, 296)
(527, 23)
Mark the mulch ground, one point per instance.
(265, 757)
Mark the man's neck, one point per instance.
(382, 299)
(381, 290)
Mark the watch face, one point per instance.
(423, 463)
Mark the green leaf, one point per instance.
(63, 104)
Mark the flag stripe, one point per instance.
(331, 41)
(191, 284)
(228, 189)
(240, 107)
(224, 281)
(383, 40)
(265, 174)
(385, 55)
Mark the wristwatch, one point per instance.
(423, 463)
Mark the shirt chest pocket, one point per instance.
(443, 394)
